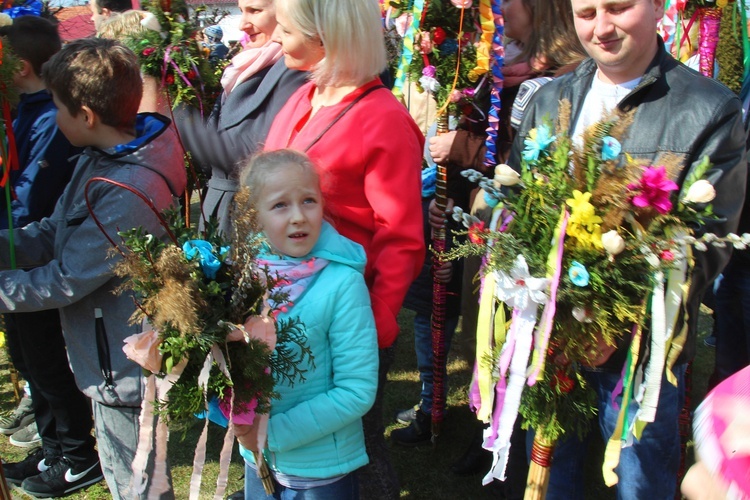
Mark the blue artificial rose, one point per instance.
(578, 274)
(536, 142)
(611, 148)
(202, 249)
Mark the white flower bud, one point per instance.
(580, 314)
(700, 192)
(506, 176)
(613, 242)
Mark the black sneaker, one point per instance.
(63, 478)
(419, 431)
(33, 465)
(405, 417)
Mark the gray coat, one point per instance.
(65, 262)
(680, 112)
(242, 122)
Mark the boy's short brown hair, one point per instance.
(101, 74)
(33, 39)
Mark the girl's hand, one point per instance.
(247, 435)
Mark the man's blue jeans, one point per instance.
(732, 321)
(423, 348)
(648, 468)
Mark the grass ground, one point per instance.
(424, 471)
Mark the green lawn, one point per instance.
(424, 471)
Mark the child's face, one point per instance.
(290, 210)
(71, 126)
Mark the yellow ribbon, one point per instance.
(485, 42)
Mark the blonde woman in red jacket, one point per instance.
(369, 151)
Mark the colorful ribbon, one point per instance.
(709, 39)
(407, 53)
(498, 60)
(486, 21)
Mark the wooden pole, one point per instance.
(541, 460)
(4, 489)
(438, 298)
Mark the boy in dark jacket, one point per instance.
(35, 342)
(96, 85)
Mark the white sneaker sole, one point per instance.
(26, 444)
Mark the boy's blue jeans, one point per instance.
(648, 468)
(423, 348)
(346, 488)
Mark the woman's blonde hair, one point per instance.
(553, 38)
(121, 25)
(352, 37)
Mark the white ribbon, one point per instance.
(525, 294)
(157, 389)
(199, 459)
(524, 325)
(665, 308)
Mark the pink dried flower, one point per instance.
(654, 190)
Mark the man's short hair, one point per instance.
(101, 74)
(113, 5)
(33, 39)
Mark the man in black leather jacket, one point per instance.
(677, 112)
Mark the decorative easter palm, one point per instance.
(194, 290)
(586, 245)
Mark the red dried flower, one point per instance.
(148, 51)
(474, 232)
(562, 382)
(439, 36)
(169, 79)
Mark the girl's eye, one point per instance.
(278, 205)
(310, 200)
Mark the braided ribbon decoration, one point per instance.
(408, 51)
(709, 39)
(498, 51)
(438, 298)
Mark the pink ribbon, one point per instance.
(167, 61)
(709, 39)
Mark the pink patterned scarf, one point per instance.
(294, 277)
(247, 63)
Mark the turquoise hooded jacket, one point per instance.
(315, 427)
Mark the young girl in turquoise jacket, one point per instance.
(315, 439)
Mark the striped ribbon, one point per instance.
(487, 22)
(407, 53)
(498, 51)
